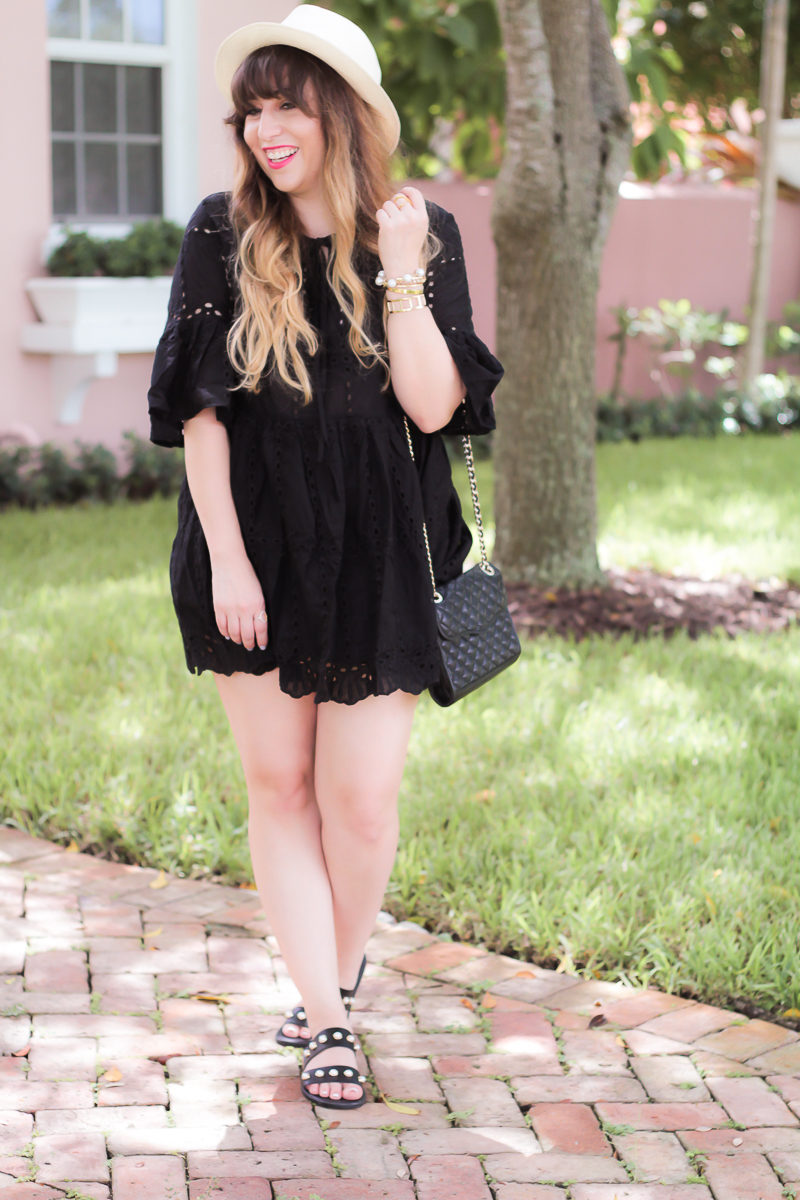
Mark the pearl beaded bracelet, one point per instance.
(415, 276)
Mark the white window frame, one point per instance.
(177, 58)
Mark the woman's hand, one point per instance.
(239, 602)
(402, 229)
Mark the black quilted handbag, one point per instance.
(477, 638)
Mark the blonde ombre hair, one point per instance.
(271, 330)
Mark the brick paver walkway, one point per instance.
(139, 1060)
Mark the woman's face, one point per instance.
(288, 145)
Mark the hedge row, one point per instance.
(31, 477)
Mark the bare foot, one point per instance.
(342, 1057)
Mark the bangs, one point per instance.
(276, 71)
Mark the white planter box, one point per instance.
(787, 152)
(85, 323)
(87, 315)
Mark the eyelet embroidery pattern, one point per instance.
(328, 498)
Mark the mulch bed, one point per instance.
(644, 603)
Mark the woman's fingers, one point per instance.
(246, 628)
(415, 196)
(238, 600)
(402, 228)
(247, 631)
(253, 628)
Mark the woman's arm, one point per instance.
(424, 377)
(237, 593)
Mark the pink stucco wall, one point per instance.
(24, 217)
(664, 241)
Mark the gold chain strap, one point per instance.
(485, 565)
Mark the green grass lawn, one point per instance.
(628, 809)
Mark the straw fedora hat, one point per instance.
(327, 35)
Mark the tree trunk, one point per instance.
(567, 147)
(773, 79)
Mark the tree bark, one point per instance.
(773, 79)
(567, 147)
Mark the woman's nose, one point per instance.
(268, 123)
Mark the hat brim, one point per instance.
(242, 42)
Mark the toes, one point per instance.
(294, 1031)
(352, 1091)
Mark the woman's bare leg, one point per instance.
(275, 735)
(359, 758)
(319, 897)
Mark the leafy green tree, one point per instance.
(703, 53)
(716, 46)
(444, 69)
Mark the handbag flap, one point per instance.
(470, 602)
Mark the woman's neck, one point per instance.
(315, 216)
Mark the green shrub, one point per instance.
(151, 248)
(774, 407)
(78, 254)
(42, 475)
(679, 338)
(13, 470)
(97, 469)
(152, 470)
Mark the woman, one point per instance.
(299, 571)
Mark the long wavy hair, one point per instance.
(271, 330)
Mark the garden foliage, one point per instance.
(688, 348)
(31, 477)
(151, 248)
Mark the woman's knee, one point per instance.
(366, 813)
(279, 788)
(274, 734)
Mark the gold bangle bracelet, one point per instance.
(406, 291)
(407, 304)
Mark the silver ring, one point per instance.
(262, 616)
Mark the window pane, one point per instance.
(147, 20)
(63, 18)
(101, 179)
(144, 181)
(105, 20)
(62, 97)
(65, 198)
(100, 98)
(143, 99)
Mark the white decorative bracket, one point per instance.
(85, 324)
(71, 376)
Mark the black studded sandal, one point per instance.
(297, 1016)
(349, 994)
(329, 1039)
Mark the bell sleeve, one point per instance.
(191, 369)
(448, 298)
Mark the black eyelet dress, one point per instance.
(329, 501)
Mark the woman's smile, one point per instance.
(279, 156)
